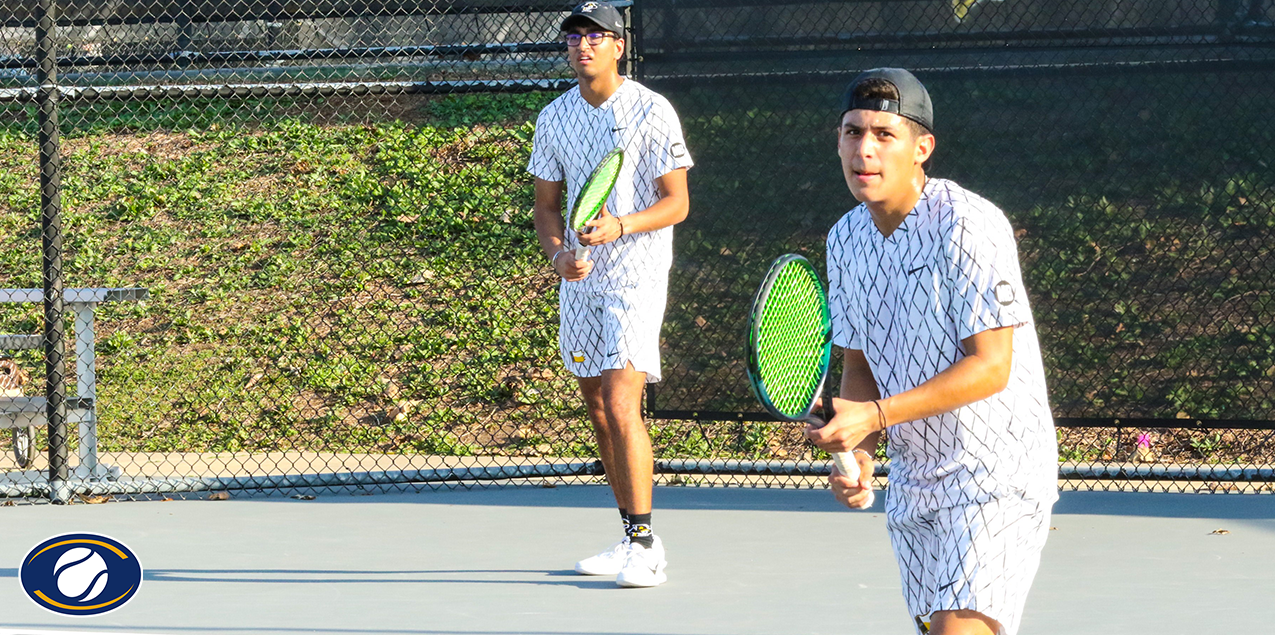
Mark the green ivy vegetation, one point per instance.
(1143, 224)
(364, 277)
(359, 286)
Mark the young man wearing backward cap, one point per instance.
(941, 354)
(612, 304)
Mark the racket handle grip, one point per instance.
(582, 253)
(846, 464)
(850, 469)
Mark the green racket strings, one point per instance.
(791, 340)
(594, 193)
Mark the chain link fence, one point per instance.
(1128, 142)
(298, 234)
(292, 242)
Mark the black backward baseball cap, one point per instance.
(914, 101)
(603, 14)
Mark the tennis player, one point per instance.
(941, 354)
(612, 304)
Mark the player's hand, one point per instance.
(852, 422)
(854, 494)
(604, 229)
(571, 270)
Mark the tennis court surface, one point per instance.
(498, 560)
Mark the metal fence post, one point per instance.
(635, 47)
(633, 17)
(51, 232)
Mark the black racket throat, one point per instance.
(828, 410)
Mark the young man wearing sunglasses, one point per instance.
(612, 303)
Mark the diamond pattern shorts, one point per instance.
(980, 557)
(606, 329)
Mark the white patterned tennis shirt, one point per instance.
(971, 489)
(572, 137)
(949, 271)
(612, 318)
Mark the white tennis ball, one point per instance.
(81, 574)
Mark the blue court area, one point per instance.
(741, 561)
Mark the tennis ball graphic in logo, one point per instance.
(80, 574)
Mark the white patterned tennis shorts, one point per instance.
(976, 557)
(606, 329)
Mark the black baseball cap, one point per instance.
(603, 14)
(914, 101)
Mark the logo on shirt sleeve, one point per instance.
(678, 150)
(1004, 292)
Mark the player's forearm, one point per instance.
(858, 384)
(550, 229)
(870, 444)
(666, 212)
(970, 379)
(546, 212)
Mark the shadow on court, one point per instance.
(1147, 504)
(317, 576)
(495, 561)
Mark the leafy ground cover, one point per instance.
(363, 275)
(367, 285)
(1143, 233)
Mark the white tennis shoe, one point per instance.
(643, 567)
(608, 562)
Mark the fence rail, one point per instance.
(328, 205)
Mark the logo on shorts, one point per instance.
(921, 624)
(1004, 293)
(577, 357)
(80, 574)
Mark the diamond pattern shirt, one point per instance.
(949, 271)
(570, 140)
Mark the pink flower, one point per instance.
(1144, 440)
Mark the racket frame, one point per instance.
(577, 222)
(844, 461)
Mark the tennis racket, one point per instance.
(593, 194)
(790, 348)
